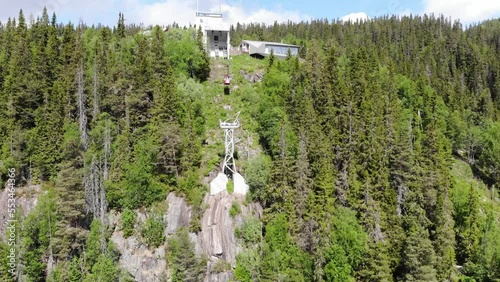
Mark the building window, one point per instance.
(216, 38)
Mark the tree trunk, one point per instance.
(81, 100)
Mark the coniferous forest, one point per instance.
(379, 160)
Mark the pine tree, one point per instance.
(185, 265)
(69, 236)
(419, 257)
(470, 236)
(120, 29)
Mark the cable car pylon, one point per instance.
(229, 125)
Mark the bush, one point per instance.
(257, 172)
(250, 231)
(153, 231)
(230, 186)
(221, 266)
(234, 210)
(128, 222)
(247, 264)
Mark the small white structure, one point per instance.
(240, 186)
(215, 34)
(219, 184)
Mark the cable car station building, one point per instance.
(215, 34)
(261, 49)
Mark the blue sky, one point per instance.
(182, 11)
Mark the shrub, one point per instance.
(250, 231)
(234, 210)
(221, 266)
(153, 231)
(128, 222)
(230, 186)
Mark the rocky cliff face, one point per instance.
(26, 199)
(216, 240)
(142, 263)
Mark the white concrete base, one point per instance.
(240, 185)
(219, 184)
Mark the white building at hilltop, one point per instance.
(215, 34)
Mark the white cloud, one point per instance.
(405, 12)
(466, 10)
(183, 12)
(355, 16)
(236, 14)
(161, 12)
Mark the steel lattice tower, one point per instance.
(229, 125)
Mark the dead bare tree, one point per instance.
(107, 150)
(96, 110)
(81, 100)
(95, 195)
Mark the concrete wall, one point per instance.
(219, 46)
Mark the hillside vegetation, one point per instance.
(377, 158)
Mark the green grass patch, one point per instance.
(230, 186)
(235, 209)
(128, 222)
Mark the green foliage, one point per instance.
(476, 230)
(38, 229)
(75, 270)
(5, 266)
(230, 186)
(281, 258)
(190, 186)
(221, 266)
(105, 269)
(370, 120)
(338, 268)
(153, 231)
(185, 54)
(490, 156)
(235, 209)
(185, 265)
(128, 222)
(247, 265)
(257, 172)
(250, 231)
(349, 242)
(140, 186)
(93, 246)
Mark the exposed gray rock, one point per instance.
(220, 277)
(216, 240)
(178, 215)
(257, 77)
(26, 200)
(141, 216)
(217, 226)
(142, 263)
